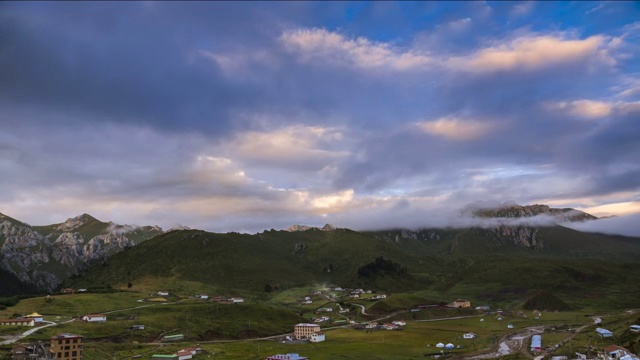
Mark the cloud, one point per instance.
(594, 109)
(585, 108)
(361, 53)
(527, 52)
(534, 52)
(291, 146)
(628, 225)
(225, 116)
(522, 8)
(455, 128)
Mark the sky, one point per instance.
(248, 116)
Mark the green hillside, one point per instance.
(478, 266)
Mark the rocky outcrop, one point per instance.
(327, 227)
(524, 236)
(520, 211)
(45, 258)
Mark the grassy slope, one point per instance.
(243, 264)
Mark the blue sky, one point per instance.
(249, 116)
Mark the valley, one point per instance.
(394, 294)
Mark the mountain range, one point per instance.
(498, 259)
(41, 257)
(504, 250)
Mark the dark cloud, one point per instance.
(141, 105)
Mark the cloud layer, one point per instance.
(244, 117)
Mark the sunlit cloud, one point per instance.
(288, 146)
(534, 52)
(455, 128)
(593, 109)
(585, 108)
(332, 47)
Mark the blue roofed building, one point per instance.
(536, 343)
(604, 332)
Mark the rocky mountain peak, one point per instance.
(299, 228)
(76, 222)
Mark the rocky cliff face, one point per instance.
(46, 255)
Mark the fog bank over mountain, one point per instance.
(628, 225)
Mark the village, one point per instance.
(335, 311)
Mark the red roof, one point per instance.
(16, 320)
(611, 348)
(183, 353)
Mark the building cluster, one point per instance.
(374, 325)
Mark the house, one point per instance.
(481, 320)
(18, 322)
(399, 322)
(307, 298)
(338, 288)
(291, 356)
(390, 326)
(460, 303)
(95, 318)
(202, 297)
(380, 296)
(439, 345)
(163, 293)
(634, 328)
(617, 352)
(317, 337)
(137, 327)
(307, 302)
(483, 308)
(236, 300)
(304, 331)
(219, 299)
(67, 291)
(184, 355)
(449, 346)
(82, 290)
(469, 336)
(66, 346)
(604, 333)
(36, 317)
(372, 325)
(536, 343)
(510, 326)
(21, 352)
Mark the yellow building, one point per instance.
(304, 331)
(66, 347)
